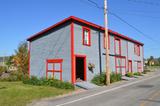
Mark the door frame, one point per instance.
(131, 66)
(85, 72)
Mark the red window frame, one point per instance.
(137, 49)
(83, 36)
(104, 41)
(54, 61)
(116, 66)
(119, 40)
(139, 66)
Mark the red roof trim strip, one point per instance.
(73, 18)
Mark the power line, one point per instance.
(147, 36)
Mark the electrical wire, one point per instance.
(124, 21)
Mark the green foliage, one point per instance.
(129, 74)
(115, 77)
(100, 80)
(2, 69)
(20, 58)
(137, 73)
(48, 82)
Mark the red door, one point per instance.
(130, 65)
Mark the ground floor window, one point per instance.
(120, 64)
(139, 66)
(54, 66)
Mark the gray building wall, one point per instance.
(54, 45)
(91, 52)
(57, 44)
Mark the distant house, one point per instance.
(68, 49)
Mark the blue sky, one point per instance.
(20, 19)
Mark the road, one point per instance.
(141, 92)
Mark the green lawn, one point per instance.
(19, 94)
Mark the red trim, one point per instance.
(54, 61)
(119, 40)
(128, 66)
(137, 49)
(73, 78)
(127, 55)
(120, 63)
(85, 70)
(89, 36)
(29, 56)
(72, 18)
(139, 66)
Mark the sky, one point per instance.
(19, 19)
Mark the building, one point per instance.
(74, 49)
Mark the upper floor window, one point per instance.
(86, 36)
(104, 42)
(117, 46)
(137, 49)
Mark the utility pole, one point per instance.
(106, 39)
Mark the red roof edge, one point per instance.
(73, 18)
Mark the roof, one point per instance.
(73, 18)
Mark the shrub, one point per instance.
(100, 80)
(13, 76)
(2, 69)
(138, 74)
(129, 74)
(115, 77)
(48, 82)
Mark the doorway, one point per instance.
(80, 67)
(130, 65)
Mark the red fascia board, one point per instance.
(73, 18)
(47, 29)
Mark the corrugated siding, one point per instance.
(91, 52)
(55, 44)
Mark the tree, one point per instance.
(20, 58)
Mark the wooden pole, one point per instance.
(107, 47)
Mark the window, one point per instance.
(137, 49)
(139, 66)
(104, 42)
(120, 65)
(53, 68)
(117, 46)
(86, 36)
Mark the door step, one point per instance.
(86, 85)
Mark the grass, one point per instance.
(19, 94)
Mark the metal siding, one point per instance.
(55, 44)
(91, 52)
(133, 57)
(112, 59)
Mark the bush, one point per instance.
(48, 82)
(115, 77)
(100, 80)
(13, 76)
(138, 74)
(2, 69)
(129, 74)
